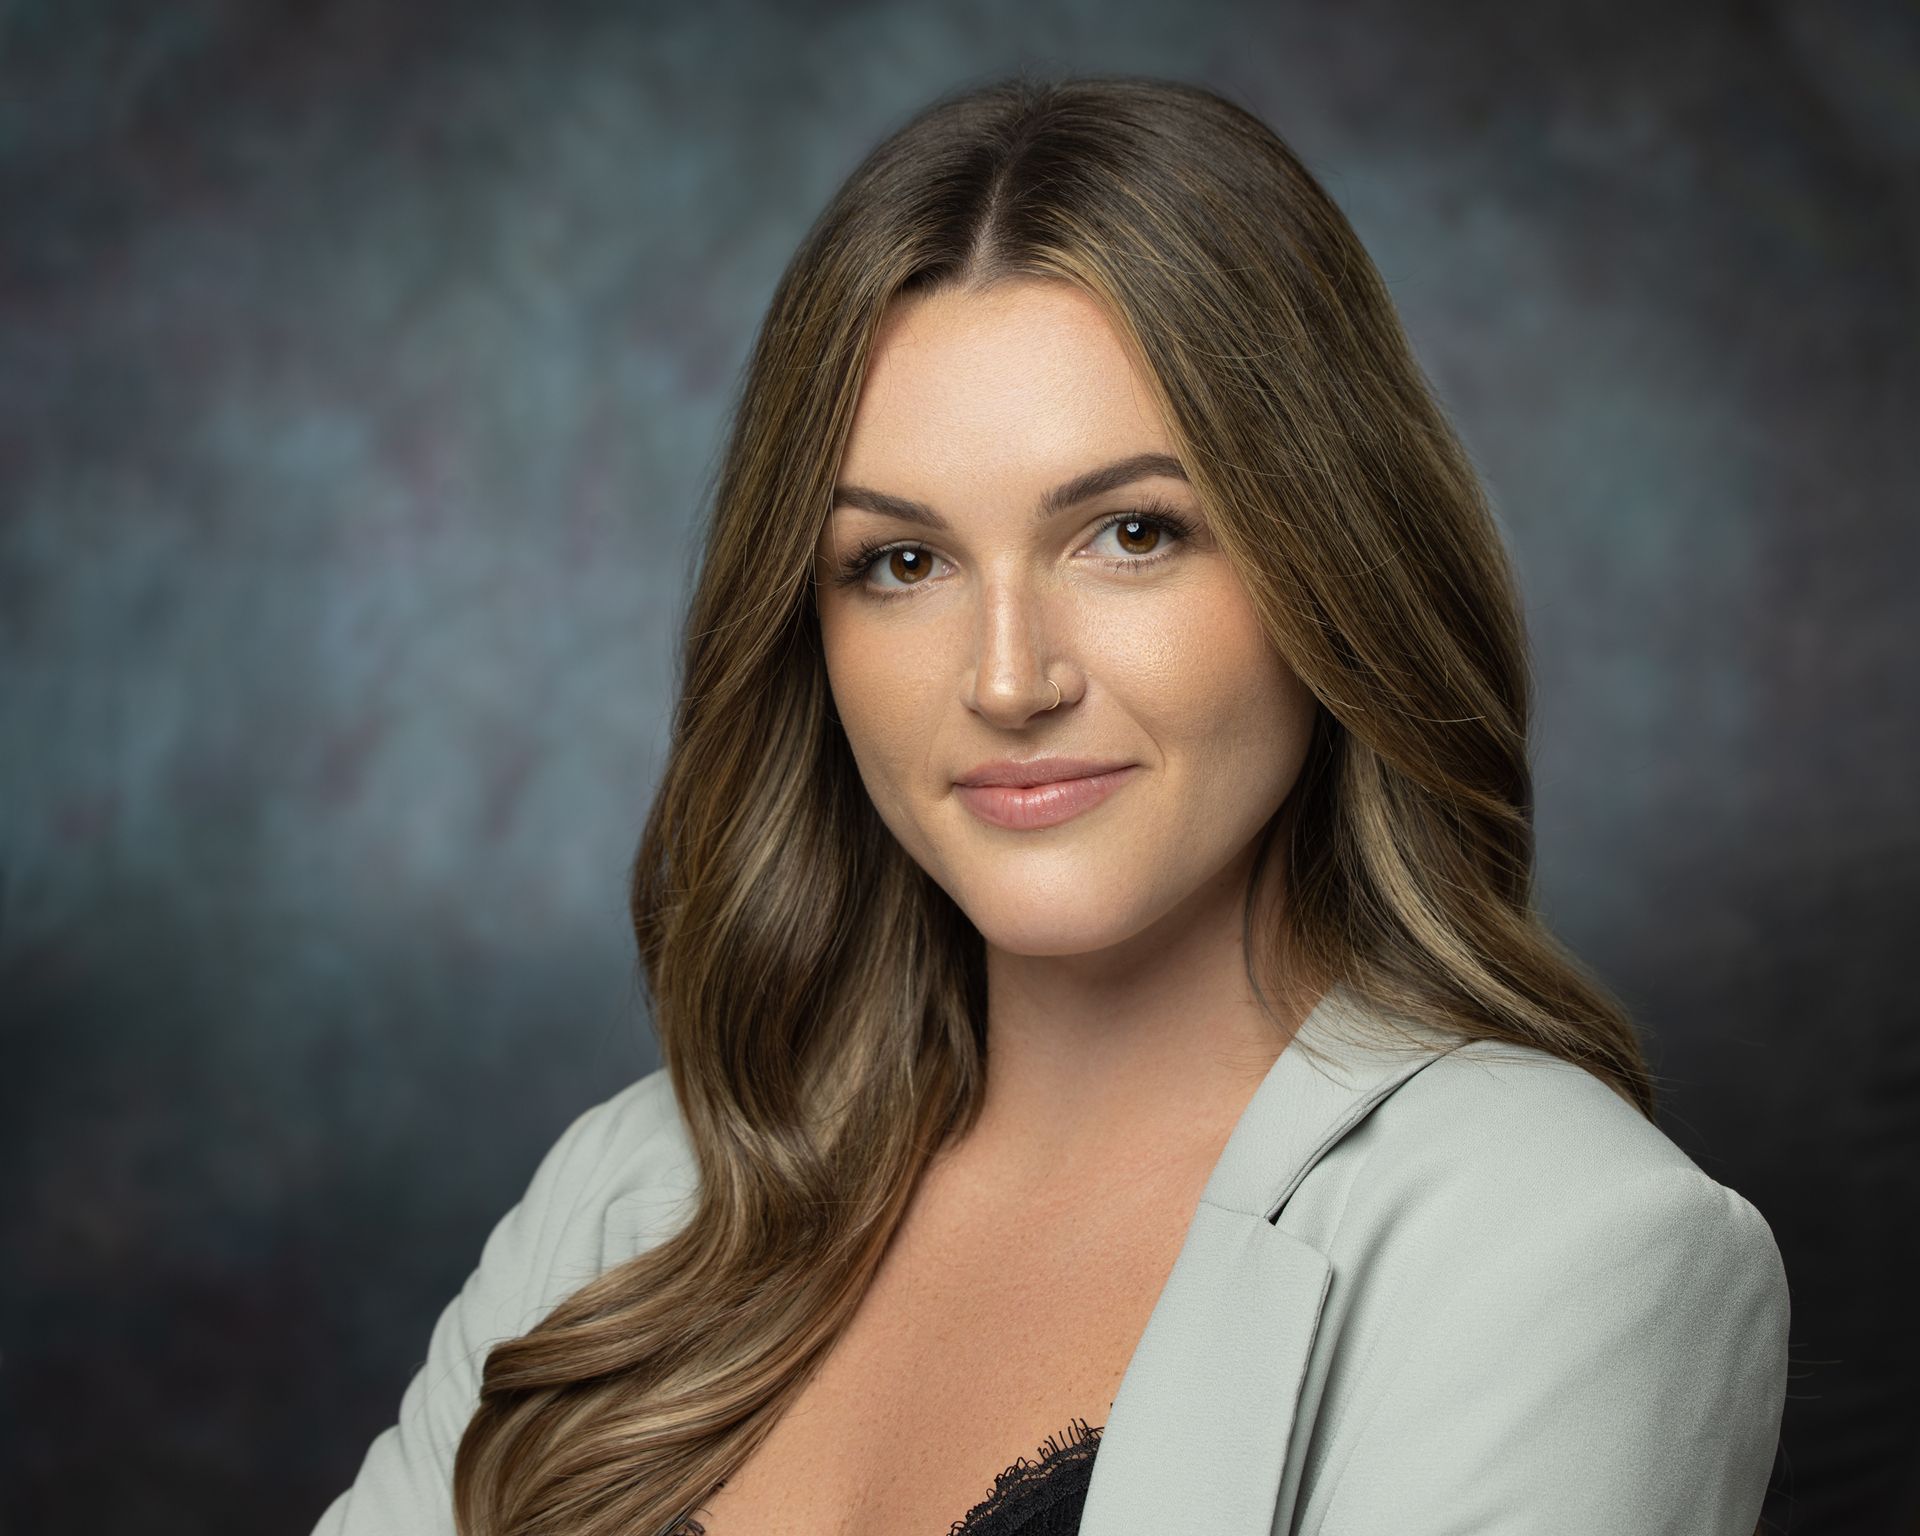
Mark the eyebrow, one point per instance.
(1095, 482)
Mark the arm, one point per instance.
(528, 1264)
(1609, 1367)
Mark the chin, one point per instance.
(1043, 924)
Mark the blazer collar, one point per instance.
(1200, 1427)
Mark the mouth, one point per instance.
(1023, 807)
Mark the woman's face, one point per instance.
(943, 652)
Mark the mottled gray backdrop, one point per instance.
(362, 370)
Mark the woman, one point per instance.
(1217, 1096)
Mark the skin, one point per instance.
(1123, 1038)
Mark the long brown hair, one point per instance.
(819, 1001)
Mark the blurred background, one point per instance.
(362, 373)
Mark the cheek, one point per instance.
(1259, 700)
(1226, 705)
(880, 695)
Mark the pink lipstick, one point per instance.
(1021, 807)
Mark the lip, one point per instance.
(1037, 770)
(1022, 807)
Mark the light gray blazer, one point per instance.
(1427, 1289)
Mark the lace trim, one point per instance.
(1025, 1489)
(1028, 1487)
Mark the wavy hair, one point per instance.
(819, 1001)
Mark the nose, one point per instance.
(1013, 679)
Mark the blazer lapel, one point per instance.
(1198, 1433)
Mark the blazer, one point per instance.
(1428, 1287)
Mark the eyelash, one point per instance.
(860, 559)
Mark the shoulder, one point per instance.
(1515, 1110)
(1492, 1143)
(1505, 1230)
(1501, 1193)
(620, 1139)
(612, 1183)
(616, 1179)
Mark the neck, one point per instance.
(1139, 1056)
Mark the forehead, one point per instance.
(1024, 382)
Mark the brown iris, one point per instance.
(909, 564)
(1148, 530)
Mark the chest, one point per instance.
(976, 1341)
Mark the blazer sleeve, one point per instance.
(545, 1247)
(1614, 1365)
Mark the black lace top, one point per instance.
(1042, 1497)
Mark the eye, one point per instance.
(1139, 536)
(909, 563)
(1147, 536)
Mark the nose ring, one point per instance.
(1056, 696)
